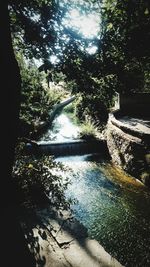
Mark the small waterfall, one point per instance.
(62, 140)
(75, 147)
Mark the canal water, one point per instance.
(114, 207)
(62, 129)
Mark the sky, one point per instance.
(88, 25)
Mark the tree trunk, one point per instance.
(10, 90)
(14, 251)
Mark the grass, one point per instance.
(89, 130)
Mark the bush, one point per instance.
(39, 180)
(89, 130)
(34, 100)
(37, 99)
(92, 106)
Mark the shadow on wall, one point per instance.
(133, 104)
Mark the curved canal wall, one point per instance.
(128, 141)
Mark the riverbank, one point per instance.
(57, 239)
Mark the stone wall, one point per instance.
(129, 152)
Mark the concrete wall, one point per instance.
(129, 152)
(76, 147)
(137, 103)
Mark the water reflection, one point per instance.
(114, 207)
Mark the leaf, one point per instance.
(146, 12)
(109, 26)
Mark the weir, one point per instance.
(73, 147)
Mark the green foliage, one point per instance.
(105, 88)
(39, 180)
(121, 62)
(42, 28)
(33, 23)
(58, 77)
(34, 102)
(91, 105)
(122, 42)
(89, 129)
(56, 93)
(37, 99)
(125, 39)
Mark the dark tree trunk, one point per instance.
(10, 97)
(13, 247)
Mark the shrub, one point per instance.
(39, 180)
(91, 106)
(89, 129)
(37, 99)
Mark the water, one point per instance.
(62, 130)
(114, 207)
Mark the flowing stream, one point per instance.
(114, 207)
(63, 129)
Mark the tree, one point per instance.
(121, 62)
(34, 37)
(10, 79)
(38, 25)
(35, 24)
(125, 42)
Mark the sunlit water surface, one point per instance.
(63, 129)
(115, 208)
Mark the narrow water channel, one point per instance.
(62, 129)
(114, 207)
